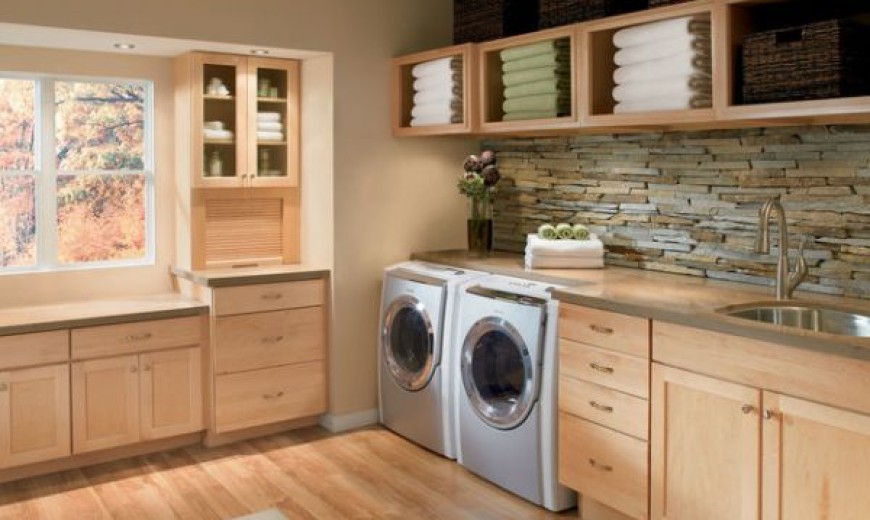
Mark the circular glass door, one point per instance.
(409, 343)
(498, 373)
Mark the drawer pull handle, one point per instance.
(747, 409)
(601, 329)
(273, 339)
(276, 395)
(138, 337)
(3, 387)
(601, 368)
(134, 369)
(597, 465)
(769, 414)
(601, 407)
(147, 368)
(272, 296)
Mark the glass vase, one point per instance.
(479, 226)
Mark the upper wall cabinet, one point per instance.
(242, 118)
(698, 64)
(435, 92)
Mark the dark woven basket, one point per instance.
(552, 13)
(482, 20)
(819, 60)
(659, 3)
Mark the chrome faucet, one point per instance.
(786, 282)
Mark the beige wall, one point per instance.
(391, 196)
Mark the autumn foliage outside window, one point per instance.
(76, 183)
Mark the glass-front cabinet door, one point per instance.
(245, 121)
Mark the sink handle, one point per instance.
(800, 269)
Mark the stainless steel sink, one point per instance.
(818, 318)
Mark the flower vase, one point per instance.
(479, 225)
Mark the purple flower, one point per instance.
(487, 157)
(472, 164)
(490, 176)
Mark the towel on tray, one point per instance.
(684, 86)
(533, 49)
(270, 126)
(270, 136)
(683, 64)
(559, 73)
(268, 116)
(655, 31)
(440, 119)
(547, 86)
(441, 66)
(591, 248)
(440, 81)
(663, 48)
(562, 262)
(538, 102)
(550, 59)
(654, 104)
(217, 134)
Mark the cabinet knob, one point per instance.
(597, 465)
(147, 368)
(769, 414)
(747, 409)
(134, 369)
(601, 368)
(601, 407)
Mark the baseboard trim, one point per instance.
(349, 421)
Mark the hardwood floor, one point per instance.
(307, 474)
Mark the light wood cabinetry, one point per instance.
(34, 415)
(170, 391)
(604, 411)
(729, 444)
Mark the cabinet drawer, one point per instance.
(140, 336)
(268, 297)
(40, 348)
(604, 465)
(627, 374)
(610, 330)
(622, 412)
(269, 395)
(251, 341)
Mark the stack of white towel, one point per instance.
(663, 66)
(269, 126)
(564, 254)
(437, 92)
(215, 131)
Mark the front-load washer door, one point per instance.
(408, 340)
(498, 373)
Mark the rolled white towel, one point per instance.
(685, 64)
(435, 67)
(654, 104)
(562, 262)
(435, 96)
(270, 136)
(217, 134)
(268, 116)
(663, 48)
(442, 81)
(436, 109)
(270, 126)
(678, 86)
(441, 119)
(591, 248)
(655, 31)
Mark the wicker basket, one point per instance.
(482, 20)
(659, 3)
(562, 12)
(819, 60)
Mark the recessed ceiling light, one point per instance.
(125, 46)
(260, 52)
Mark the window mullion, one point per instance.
(46, 181)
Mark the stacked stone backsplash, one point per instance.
(688, 202)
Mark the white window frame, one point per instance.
(46, 174)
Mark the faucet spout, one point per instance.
(786, 282)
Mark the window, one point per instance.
(76, 173)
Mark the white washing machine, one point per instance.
(416, 358)
(507, 402)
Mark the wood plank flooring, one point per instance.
(307, 474)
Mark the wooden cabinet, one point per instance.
(34, 415)
(126, 399)
(268, 354)
(244, 119)
(604, 411)
(734, 445)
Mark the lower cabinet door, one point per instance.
(269, 395)
(105, 403)
(705, 447)
(34, 415)
(816, 461)
(171, 392)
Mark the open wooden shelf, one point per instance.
(592, 81)
(403, 92)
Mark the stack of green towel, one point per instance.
(537, 80)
